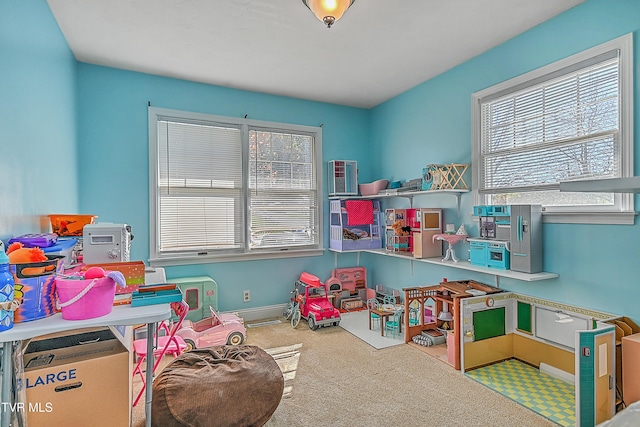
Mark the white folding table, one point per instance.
(122, 315)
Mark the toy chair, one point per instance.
(393, 324)
(372, 303)
(414, 314)
(170, 343)
(389, 299)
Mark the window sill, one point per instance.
(210, 259)
(618, 218)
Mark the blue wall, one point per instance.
(114, 170)
(598, 264)
(77, 142)
(37, 118)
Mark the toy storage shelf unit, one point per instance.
(343, 178)
(352, 237)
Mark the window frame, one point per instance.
(156, 258)
(623, 210)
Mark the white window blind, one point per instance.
(200, 186)
(231, 188)
(564, 122)
(283, 193)
(558, 130)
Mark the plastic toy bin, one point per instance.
(70, 225)
(85, 299)
(35, 289)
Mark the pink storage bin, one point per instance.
(373, 188)
(86, 298)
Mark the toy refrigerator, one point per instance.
(526, 238)
(429, 225)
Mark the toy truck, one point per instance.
(310, 302)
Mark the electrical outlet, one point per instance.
(246, 296)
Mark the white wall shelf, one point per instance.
(463, 265)
(410, 195)
(611, 185)
(466, 265)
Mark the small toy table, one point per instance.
(384, 315)
(451, 239)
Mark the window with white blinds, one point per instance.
(227, 187)
(282, 189)
(562, 123)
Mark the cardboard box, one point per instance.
(78, 379)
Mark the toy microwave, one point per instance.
(106, 243)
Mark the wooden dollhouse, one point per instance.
(433, 303)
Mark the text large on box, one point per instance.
(79, 379)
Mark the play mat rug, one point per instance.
(548, 396)
(357, 324)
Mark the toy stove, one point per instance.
(353, 284)
(489, 253)
(334, 284)
(513, 237)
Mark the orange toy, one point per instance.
(20, 255)
(399, 230)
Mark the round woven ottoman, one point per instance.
(221, 386)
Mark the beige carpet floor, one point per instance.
(339, 380)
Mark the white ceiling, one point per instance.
(379, 49)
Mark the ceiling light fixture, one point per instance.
(328, 11)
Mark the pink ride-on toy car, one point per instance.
(219, 329)
(310, 302)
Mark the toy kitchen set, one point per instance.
(510, 238)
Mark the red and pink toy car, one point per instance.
(219, 329)
(310, 302)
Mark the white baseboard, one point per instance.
(261, 313)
